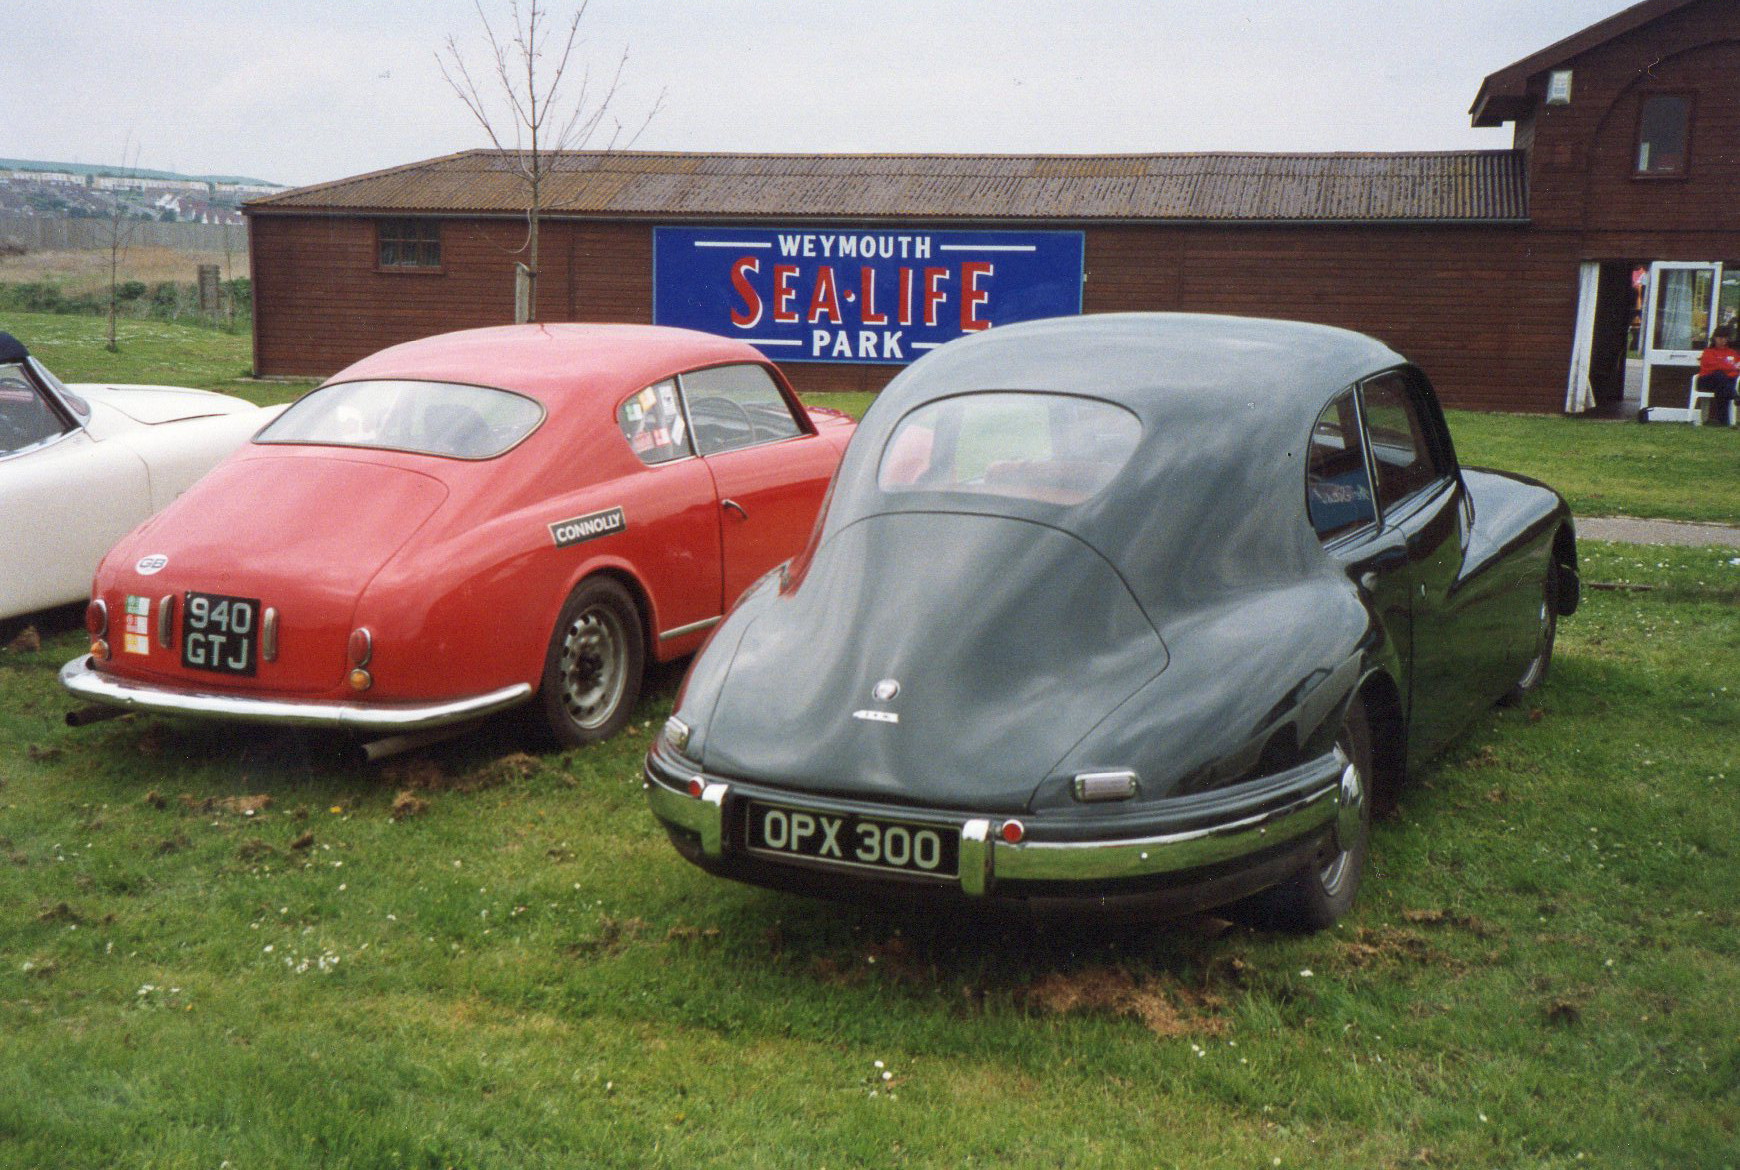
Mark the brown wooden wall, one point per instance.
(1486, 310)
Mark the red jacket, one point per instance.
(1719, 360)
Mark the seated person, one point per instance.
(1718, 368)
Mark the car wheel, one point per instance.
(1323, 889)
(1546, 632)
(592, 671)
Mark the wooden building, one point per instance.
(1510, 275)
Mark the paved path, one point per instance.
(1636, 531)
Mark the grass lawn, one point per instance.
(227, 945)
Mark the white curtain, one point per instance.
(1579, 394)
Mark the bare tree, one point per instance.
(540, 119)
(118, 235)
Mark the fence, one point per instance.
(42, 233)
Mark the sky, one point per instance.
(304, 91)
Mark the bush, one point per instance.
(130, 290)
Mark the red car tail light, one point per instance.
(362, 646)
(97, 618)
(1013, 832)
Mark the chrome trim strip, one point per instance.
(691, 628)
(1168, 853)
(80, 678)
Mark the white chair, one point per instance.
(1698, 397)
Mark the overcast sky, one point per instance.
(302, 91)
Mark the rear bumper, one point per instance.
(81, 679)
(1195, 854)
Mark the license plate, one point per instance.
(220, 633)
(863, 842)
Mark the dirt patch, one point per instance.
(1387, 946)
(408, 804)
(1469, 922)
(28, 641)
(425, 775)
(1164, 1008)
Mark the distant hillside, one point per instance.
(85, 169)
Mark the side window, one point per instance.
(1401, 447)
(1663, 126)
(409, 243)
(1337, 485)
(652, 422)
(26, 418)
(736, 406)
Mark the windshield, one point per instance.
(430, 418)
(78, 404)
(1050, 448)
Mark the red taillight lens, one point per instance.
(97, 618)
(1013, 832)
(696, 787)
(362, 646)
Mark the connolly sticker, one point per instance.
(155, 563)
(588, 527)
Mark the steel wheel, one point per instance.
(1323, 890)
(1546, 633)
(593, 669)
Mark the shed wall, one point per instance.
(1484, 308)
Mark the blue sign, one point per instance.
(883, 295)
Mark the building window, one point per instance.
(1662, 130)
(410, 243)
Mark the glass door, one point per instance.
(1683, 303)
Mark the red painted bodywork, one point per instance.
(450, 563)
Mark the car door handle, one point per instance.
(734, 506)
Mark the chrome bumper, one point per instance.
(81, 679)
(987, 859)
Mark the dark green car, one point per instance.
(1135, 614)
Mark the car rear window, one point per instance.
(430, 418)
(1050, 448)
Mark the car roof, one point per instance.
(552, 361)
(1217, 479)
(1153, 363)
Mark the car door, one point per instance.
(770, 469)
(65, 497)
(1343, 511)
(674, 508)
(1423, 506)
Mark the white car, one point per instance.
(82, 465)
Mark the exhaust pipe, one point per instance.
(380, 749)
(96, 713)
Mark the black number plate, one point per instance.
(220, 633)
(863, 842)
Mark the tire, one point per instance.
(593, 668)
(1546, 632)
(1323, 889)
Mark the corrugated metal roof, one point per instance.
(1462, 185)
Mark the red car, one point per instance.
(465, 523)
